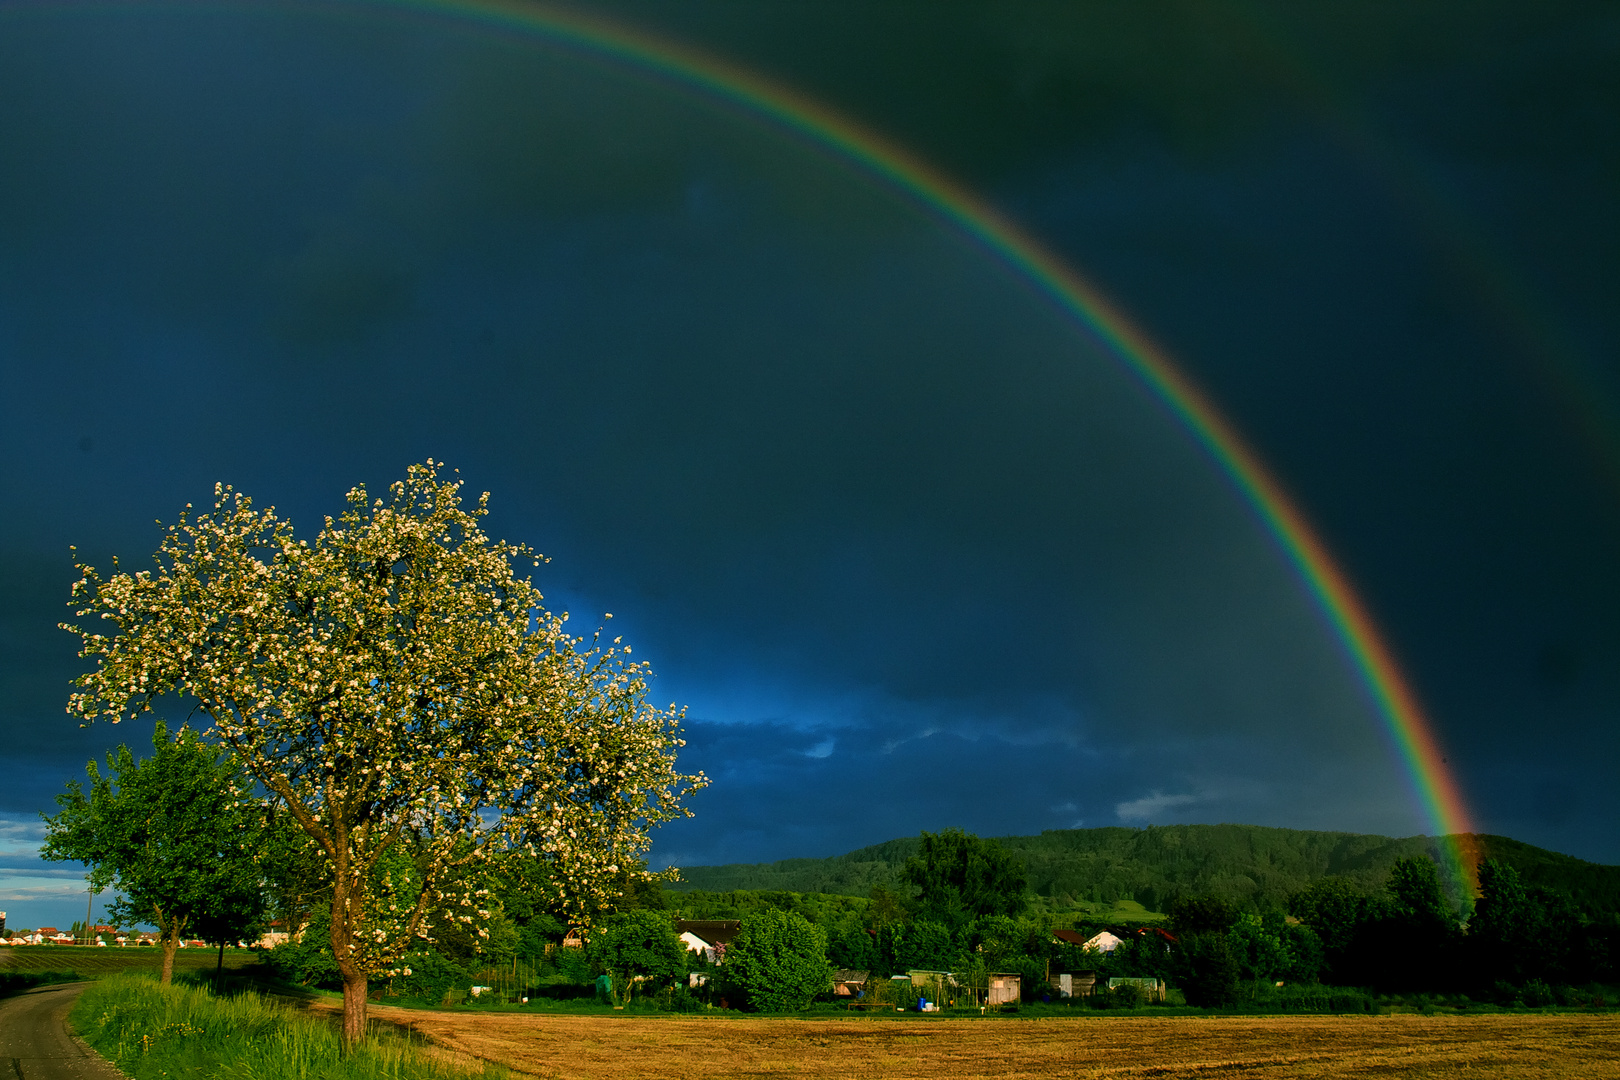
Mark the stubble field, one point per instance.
(95, 963)
(1523, 1047)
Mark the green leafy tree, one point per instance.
(395, 686)
(1267, 948)
(778, 961)
(959, 877)
(851, 945)
(1419, 897)
(1418, 930)
(1519, 932)
(1206, 964)
(1338, 913)
(1259, 947)
(639, 948)
(176, 834)
(930, 945)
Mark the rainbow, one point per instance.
(1408, 728)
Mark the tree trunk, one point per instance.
(354, 1010)
(354, 975)
(219, 968)
(171, 942)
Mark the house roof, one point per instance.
(1071, 936)
(714, 931)
(847, 975)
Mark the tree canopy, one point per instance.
(639, 949)
(176, 834)
(404, 695)
(959, 877)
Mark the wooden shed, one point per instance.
(1006, 988)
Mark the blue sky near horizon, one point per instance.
(891, 526)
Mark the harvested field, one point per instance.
(94, 963)
(1522, 1047)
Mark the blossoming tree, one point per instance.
(404, 694)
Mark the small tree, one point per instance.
(397, 688)
(639, 948)
(173, 833)
(778, 961)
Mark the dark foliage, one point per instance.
(1251, 866)
(1207, 969)
(1200, 915)
(958, 877)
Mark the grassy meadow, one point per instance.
(151, 1032)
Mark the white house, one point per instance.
(708, 936)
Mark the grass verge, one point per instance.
(150, 1031)
(15, 982)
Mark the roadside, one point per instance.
(35, 1043)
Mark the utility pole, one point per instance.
(89, 899)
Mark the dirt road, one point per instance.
(1260, 1048)
(34, 1040)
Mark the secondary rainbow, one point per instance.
(1409, 729)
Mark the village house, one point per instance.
(275, 934)
(708, 936)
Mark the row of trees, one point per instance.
(390, 697)
(1406, 938)
(1410, 938)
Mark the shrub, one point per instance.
(778, 962)
(431, 976)
(1126, 996)
(1536, 994)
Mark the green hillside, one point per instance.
(1250, 864)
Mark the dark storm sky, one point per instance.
(914, 550)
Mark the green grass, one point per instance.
(152, 1032)
(15, 982)
(96, 963)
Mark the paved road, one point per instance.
(35, 1043)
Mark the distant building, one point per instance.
(708, 936)
(1005, 988)
(849, 983)
(276, 933)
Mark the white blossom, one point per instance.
(392, 679)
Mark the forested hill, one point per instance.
(1245, 863)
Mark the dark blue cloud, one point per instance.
(894, 528)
